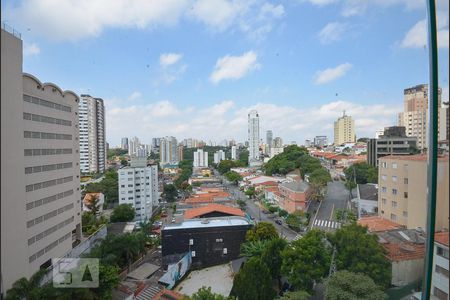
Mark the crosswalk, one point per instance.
(326, 224)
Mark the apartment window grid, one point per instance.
(45, 119)
(442, 252)
(42, 102)
(442, 271)
(394, 204)
(383, 200)
(49, 199)
(38, 152)
(49, 215)
(46, 135)
(50, 230)
(47, 168)
(394, 191)
(45, 184)
(49, 247)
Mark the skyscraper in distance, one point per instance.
(253, 138)
(269, 138)
(124, 143)
(344, 130)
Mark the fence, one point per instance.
(11, 30)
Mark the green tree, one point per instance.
(294, 222)
(242, 204)
(271, 256)
(28, 289)
(282, 213)
(350, 185)
(253, 248)
(262, 231)
(124, 162)
(359, 251)
(250, 192)
(233, 176)
(320, 177)
(297, 295)
(253, 281)
(205, 293)
(243, 157)
(363, 172)
(123, 213)
(170, 192)
(348, 285)
(224, 166)
(108, 279)
(306, 260)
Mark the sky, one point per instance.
(195, 68)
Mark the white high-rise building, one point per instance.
(124, 143)
(168, 151)
(253, 138)
(200, 159)
(92, 134)
(40, 173)
(138, 186)
(277, 142)
(133, 146)
(218, 156)
(269, 138)
(233, 152)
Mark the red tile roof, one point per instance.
(377, 224)
(441, 238)
(88, 197)
(404, 251)
(197, 212)
(267, 183)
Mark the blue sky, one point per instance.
(194, 68)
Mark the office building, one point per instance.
(218, 156)
(344, 130)
(200, 159)
(156, 142)
(138, 186)
(233, 152)
(393, 142)
(278, 142)
(320, 141)
(40, 173)
(439, 282)
(269, 138)
(415, 113)
(92, 134)
(133, 146)
(402, 196)
(253, 138)
(168, 151)
(124, 143)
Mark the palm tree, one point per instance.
(29, 289)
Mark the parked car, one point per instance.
(278, 221)
(173, 220)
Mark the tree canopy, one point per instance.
(108, 186)
(359, 251)
(364, 172)
(170, 192)
(233, 177)
(262, 231)
(205, 293)
(186, 172)
(271, 256)
(122, 213)
(348, 285)
(297, 295)
(306, 260)
(225, 165)
(253, 281)
(285, 162)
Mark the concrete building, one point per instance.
(124, 143)
(278, 142)
(253, 138)
(168, 151)
(439, 283)
(379, 132)
(180, 152)
(320, 141)
(233, 152)
(138, 186)
(415, 113)
(344, 130)
(133, 146)
(293, 196)
(200, 159)
(307, 143)
(40, 173)
(402, 196)
(367, 197)
(92, 134)
(269, 138)
(275, 151)
(393, 142)
(218, 156)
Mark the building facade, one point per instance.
(439, 283)
(344, 130)
(233, 152)
(393, 142)
(269, 138)
(415, 113)
(293, 196)
(253, 137)
(218, 156)
(138, 186)
(168, 151)
(133, 146)
(320, 141)
(200, 159)
(40, 184)
(278, 142)
(92, 135)
(124, 143)
(402, 196)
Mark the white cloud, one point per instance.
(234, 67)
(330, 74)
(322, 2)
(134, 96)
(218, 14)
(168, 59)
(31, 49)
(271, 10)
(332, 32)
(416, 37)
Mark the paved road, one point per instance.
(337, 197)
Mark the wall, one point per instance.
(406, 271)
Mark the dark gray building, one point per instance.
(393, 142)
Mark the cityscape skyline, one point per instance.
(259, 61)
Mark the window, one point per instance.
(441, 270)
(383, 200)
(225, 250)
(394, 178)
(394, 191)
(384, 165)
(191, 242)
(383, 177)
(394, 165)
(394, 204)
(405, 180)
(440, 294)
(383, 189)
(193, 253)
(442, 252)
(405, 214)
(393, 217)
(405, 194)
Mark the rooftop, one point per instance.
(296, 186)
(210, 222)
(417, 157)
(403, 244)
(377, 224)
(441, 238)
(368, 191)
(213, 207)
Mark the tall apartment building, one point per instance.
(133, 145)
(402, 192)
(393, 142)
(180, 152)
(218, 156)
(439, 282)
(138, 186)
(415, 113)
(92, 134)
(307, 143)
(40, 197)
(344, 130)
(124, 143)
(278, 142)
(253, 138)
(233, 152)
(168, 151)
(200, 159)
(269, 138)
(320, 141)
